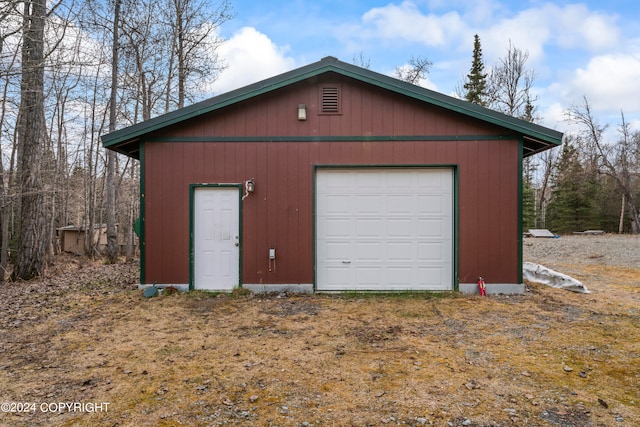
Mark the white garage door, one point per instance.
(384, 229)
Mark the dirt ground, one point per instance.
(83, 347)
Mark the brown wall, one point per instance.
(280, 212)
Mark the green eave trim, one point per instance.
(326, 65)
(337, 138)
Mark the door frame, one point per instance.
(455, 206)
(192, 213)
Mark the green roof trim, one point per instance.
(539, 137)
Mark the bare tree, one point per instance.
(618, 161)
(128, 195)
(9, 59)
(57, 98)
(63, 82)
(10, 44)
(361, 61)
(145, 52)
(510, 83)
(417, 70)
(32, 238)
(96, 119)
(112, 235)
(195, 42)
(546, 161)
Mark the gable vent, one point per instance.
(330, 99)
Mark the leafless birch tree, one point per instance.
(112, 236)
(617, 160)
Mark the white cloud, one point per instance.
(609, 82)
(554, 36)
(409, 24)
(528, 31)
(250, 56)
(578, 27)
(569, 27)
(475, 12)
(554, 117)
(573, 26)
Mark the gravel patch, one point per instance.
(608, 249)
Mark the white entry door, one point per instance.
(384, 229)
(216, 264)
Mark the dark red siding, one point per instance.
(280, 212)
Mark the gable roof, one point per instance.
(536, 138)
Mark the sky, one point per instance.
(577, 49)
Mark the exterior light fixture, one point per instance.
(250, 186)
(302, 112)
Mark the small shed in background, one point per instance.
(72, 238)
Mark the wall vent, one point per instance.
(330, 99)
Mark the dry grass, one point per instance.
(547, 358)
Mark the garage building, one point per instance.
(332, 177)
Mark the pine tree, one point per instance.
(476, 84)
(571, 207)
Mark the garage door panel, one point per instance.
(366, 251)
(399, 278)
(400, 251)
(336, 204)
(432, 251)
(431, 278)
(432, 182)
(368, 277)
(368, 204)
(367, 227)
(432, 204)
(333, 183)
(335, 251)
(336, 227)
(400, 227)
(398, 204)
(398, 182)
(367, 181)
(432, 228)
(384, 229)
(339, 277)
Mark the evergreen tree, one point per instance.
(476, 84)
(571, 207)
